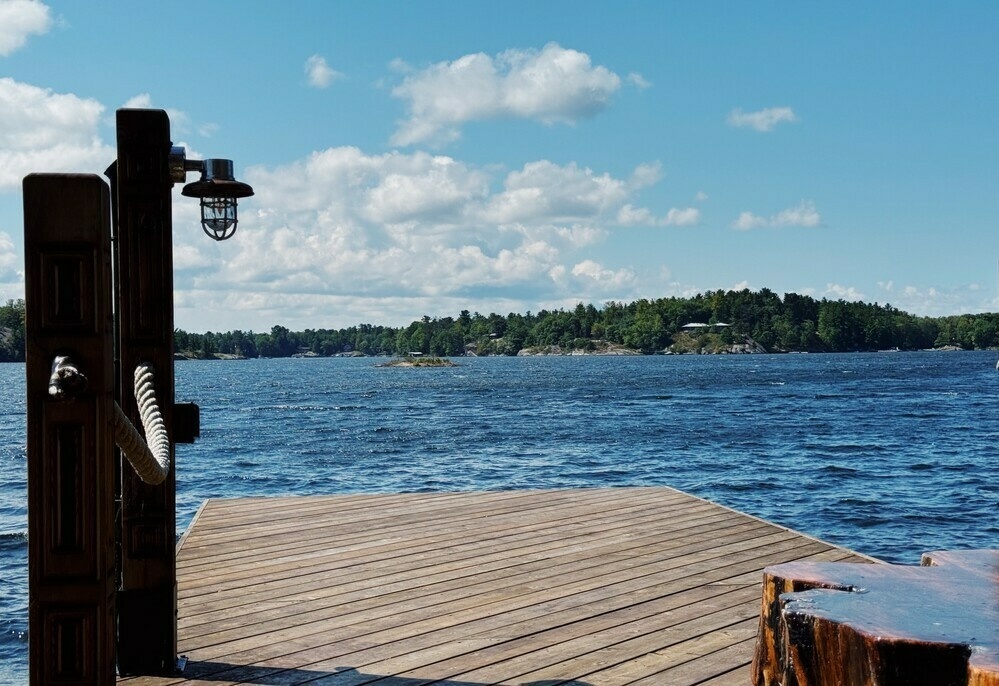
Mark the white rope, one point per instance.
(150, 457)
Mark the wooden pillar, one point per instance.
(147, 602)
(71, 470)
(833, 623)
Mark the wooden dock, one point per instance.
(591, 587)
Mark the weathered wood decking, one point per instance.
(582, 587)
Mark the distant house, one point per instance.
(698, 326)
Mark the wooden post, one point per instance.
(147, 602)
(831, 623)
(71, 471)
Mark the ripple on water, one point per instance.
(890, 455)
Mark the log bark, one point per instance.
(825, 624)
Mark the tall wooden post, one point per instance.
(71, 472)
(147, 602)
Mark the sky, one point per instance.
(418, 159)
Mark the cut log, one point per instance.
(825, 624)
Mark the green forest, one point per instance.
(12, 331)
(756, 320)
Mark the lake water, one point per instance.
(889, 454)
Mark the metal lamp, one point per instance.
(219, 192)
(217, 189)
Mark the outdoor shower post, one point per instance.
(147, 601)
(71, 469)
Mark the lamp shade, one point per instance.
(218, 191)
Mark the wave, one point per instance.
(838, 469)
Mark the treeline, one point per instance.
(792, 323)
(12, 331)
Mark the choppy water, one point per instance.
(890, 454)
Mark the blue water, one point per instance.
(890, 454)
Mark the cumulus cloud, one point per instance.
(46, 131)
(11, 270)
(635, 216)
(140, 101)
(641, 216)
(20, 19)
(345, 223)
(595, 272)
(933, 301)
(558, 193)
(10, 261)
(645, 175)
(689, 216)
(804, 215)
(180, 121)
(553, 85)
(319, 73)
(835, 291)
(762, 120)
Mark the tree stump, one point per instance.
(825, 624)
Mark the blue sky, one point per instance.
(421, 158)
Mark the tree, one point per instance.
(12, 331)
(796, 322)
(647, 331)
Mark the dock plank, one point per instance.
(585, 587)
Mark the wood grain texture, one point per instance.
(580, 587)
(71, 472)
(884, 625)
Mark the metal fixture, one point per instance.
(217, 189)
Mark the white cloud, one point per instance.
(641, 216)
(11, 270)
(635, 216)
(835, 291)
(930, 301)
(553, 85)
(701, 196)
(763, 120)
(556, 193)
(804, 215)
(20, 19)
(141, 101)
(424, 186)
(47, 132)
(10, 261)
(646, 175)
(344, 223)
(638, 81)
(688, 216)
(594, 274)
(180, 121)
(320, 74)
(748, 220)
(232, 310)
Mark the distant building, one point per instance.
(698, 326)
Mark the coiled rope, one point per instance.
(150, 457)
